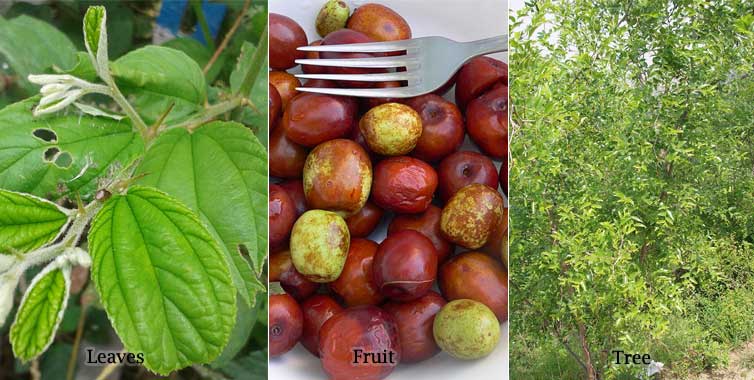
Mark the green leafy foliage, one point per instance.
(40, 313)
(71, 154)
(199, 53)
(195, 167)
(179, 304)
(247, 70)
(28, 222)
(93, 23)
(631, 180)
(177, 274)
(251, 367)
(246, 319)
(81, 68)
(156, 77)
(32, 46)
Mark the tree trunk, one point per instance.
(591, 374)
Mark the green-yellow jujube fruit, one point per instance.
(391, 129)
(333, 16)
(319, 245)
(466, 329)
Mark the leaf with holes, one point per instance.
(53, 156)
(219, 171)
(162, 279)
(28, 222)
(40, 312)
(154, 77)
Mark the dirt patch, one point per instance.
(740, 366)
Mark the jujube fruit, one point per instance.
(286, 323)
(285, 84)
(391, 129)
(461, 169)
(405, 265)
(404, 184)
(428, 223)
(338, 177)
(282, 214)
(286, 157)
(356, 284)
(365, 327)
(442, 127)
(415, 320)
(319, 245)
(487, 122)
(312, 119)
(317, 310)
(466, 329)
(293, 282)
(364, 221)
(332, 16)
(476, 77)
(285, 36)
(479, 277)
(379, 22)
(471, 214)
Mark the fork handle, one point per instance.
(487, 45)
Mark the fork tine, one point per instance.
(369, 47)
(395, 92)
(378, 62)
(380, 77)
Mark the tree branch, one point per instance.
(228, 36)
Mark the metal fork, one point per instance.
(429, 63)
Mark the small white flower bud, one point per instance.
(50, 107)
(54, 87)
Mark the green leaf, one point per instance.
(93, 145)
(199, 53)
(162, 279)
(255, 117)
(28, 222)
(155, 76)
(81, 68)
(32, 46)
(219, 171)
(93, 22)
(246, 318)
(40, 312)
(250, 367)
(249, 68)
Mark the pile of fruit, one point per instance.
(344, 165)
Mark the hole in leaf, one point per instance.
(45, 134)
(64, 160)
(50, 154)
(243, 251)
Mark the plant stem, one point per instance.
(107, 371)
(128, 109)
(197, 5)
(209, 114)
(34, 370)
(257, 61)
(228, 36)
(76, 342)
